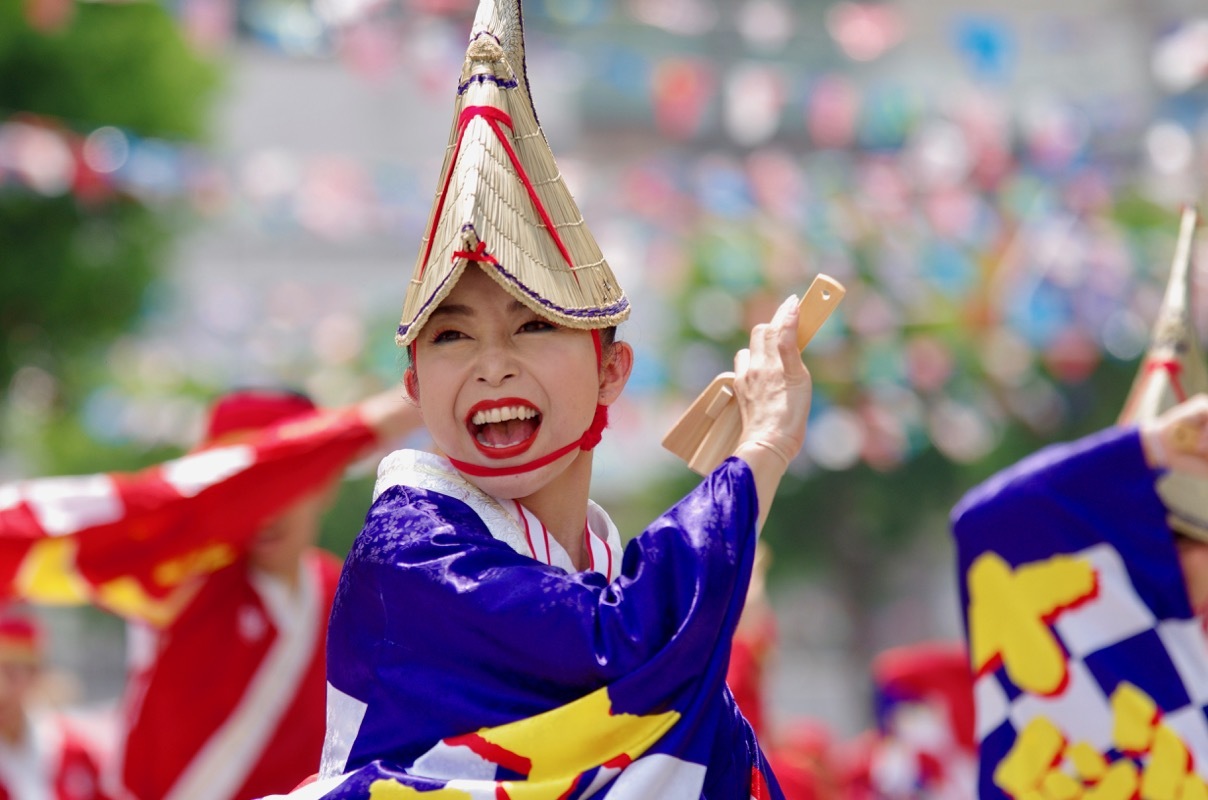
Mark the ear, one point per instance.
(411, 383)
(614, 373)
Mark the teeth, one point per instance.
(503, 414)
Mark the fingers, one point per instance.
(786, 333)
(779, 335)
(771, 381)
(742, 361)
(786, 310)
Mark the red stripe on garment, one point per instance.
(759, 785)
(571, 789)
(492, 752)
(620, 762)
(548, 556)
(591, 556)
(524, 522)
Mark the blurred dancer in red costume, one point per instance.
(925, 747)
(800, 750)
(211, 559)
(922, 747)
(42, 755)
(754, 646)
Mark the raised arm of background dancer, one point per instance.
(129, 541)
(773, 390)
(385, 417)
(391, 414)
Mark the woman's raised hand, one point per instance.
(773, 389)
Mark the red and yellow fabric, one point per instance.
(130, 542)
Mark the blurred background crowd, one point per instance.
(201, 194)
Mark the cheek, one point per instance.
(430, 382)
(579, 390)
(576, 366)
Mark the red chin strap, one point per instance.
(590, 438)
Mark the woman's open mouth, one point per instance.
(503, 428)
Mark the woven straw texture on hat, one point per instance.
(1172, 371)
(501, 201)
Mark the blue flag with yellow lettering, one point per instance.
(1091, 671)
(459, 667)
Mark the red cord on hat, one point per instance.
(1173, 369)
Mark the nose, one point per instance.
(496, 365)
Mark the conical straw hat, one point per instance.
(501, 201)
(1174, 370)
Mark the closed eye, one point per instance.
(447, 335)
(537, 325)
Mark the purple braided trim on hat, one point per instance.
(587, 313)
(498, 41)
(502, 84)
(402, 329)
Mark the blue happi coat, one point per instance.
(1091, 669)
(460, 666)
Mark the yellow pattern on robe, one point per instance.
(1134, 716)
(386, 789)
(1119, 783)
(1010, 611)
(1037, 748)
(1038, 765)
(561, 744)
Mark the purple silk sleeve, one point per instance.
(1092, 501)
(440, 629)
(1068, 497)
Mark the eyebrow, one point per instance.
(461, 310)
(451, 310)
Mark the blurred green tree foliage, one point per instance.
(74, 271)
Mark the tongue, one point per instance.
(503, 434)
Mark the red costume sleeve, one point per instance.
(129, 541)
